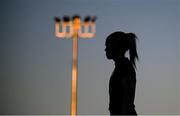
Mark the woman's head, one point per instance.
(118, 43)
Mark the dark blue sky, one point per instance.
(35, 66)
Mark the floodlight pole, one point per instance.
(75, 31)
(74, 75)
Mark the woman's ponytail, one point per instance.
(132, 48)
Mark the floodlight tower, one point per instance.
(75, 28)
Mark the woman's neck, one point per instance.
(117, 59)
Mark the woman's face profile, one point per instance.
(109, 50)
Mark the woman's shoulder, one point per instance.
(125, 66)
(124, 63)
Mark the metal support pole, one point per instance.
(74, 75)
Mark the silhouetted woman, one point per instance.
(122, 82)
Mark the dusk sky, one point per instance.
(35, 66)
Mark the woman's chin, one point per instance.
(108, 57)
